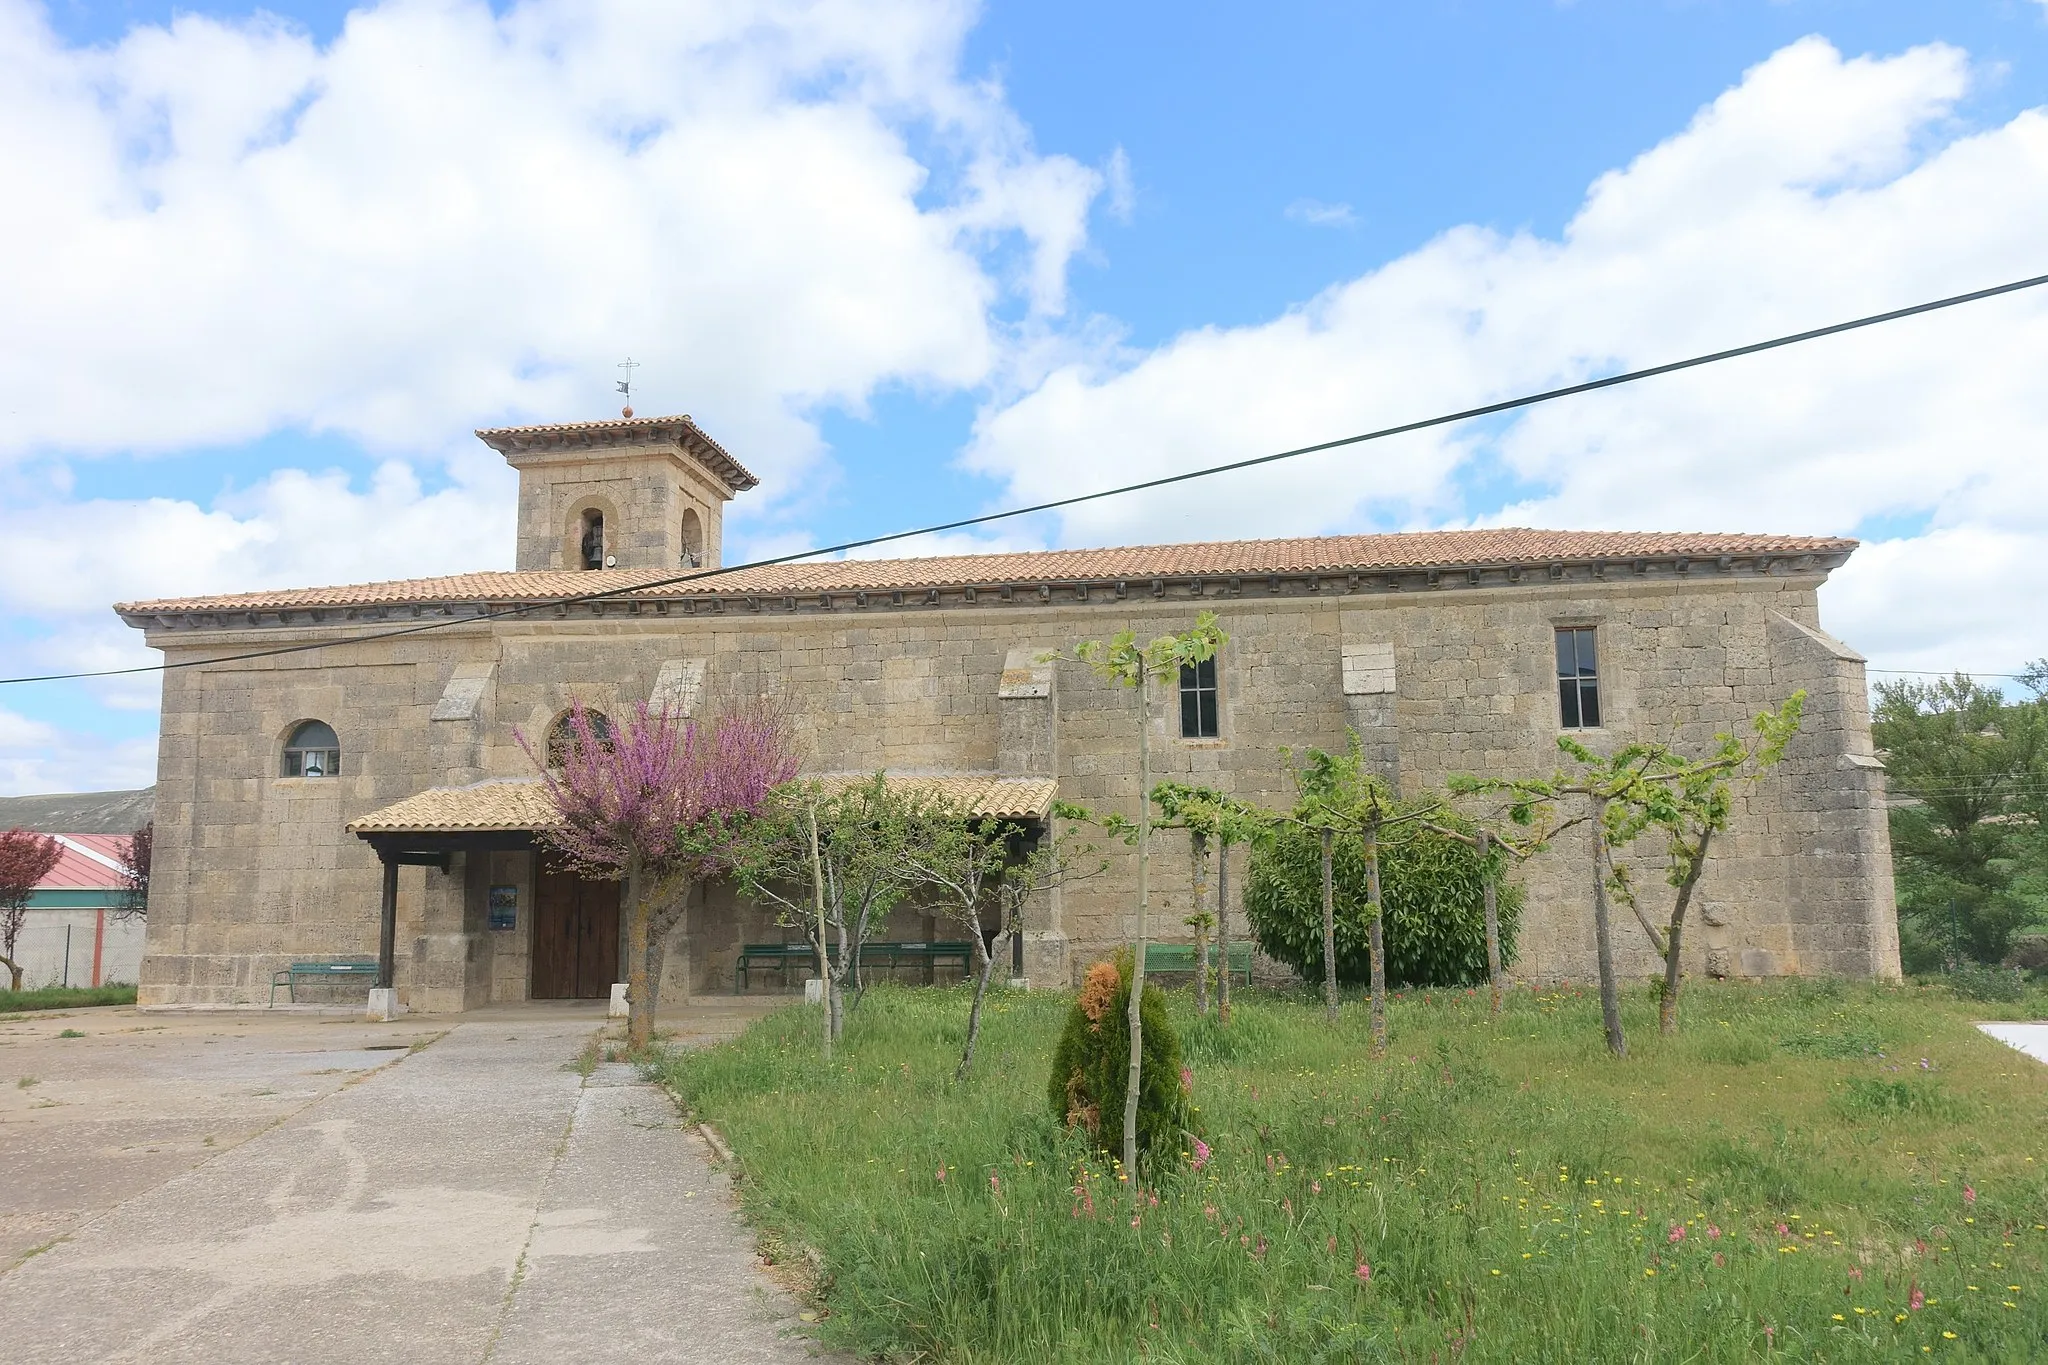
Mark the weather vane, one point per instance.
(626, 385)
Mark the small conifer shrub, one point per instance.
(1091, 1065)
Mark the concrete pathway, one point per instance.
(474, 1201)
(2031, 1039)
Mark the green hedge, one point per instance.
(1435, 927)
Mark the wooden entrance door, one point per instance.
(575, 937)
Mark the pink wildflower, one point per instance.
(1201, 1157)
(1259, 1254)
(1855, 1273)
(1315, 1187)
(1784, 1231)
(1209, 1212)
(1187, 1081)
(995, 1184)
(1719, 1259)
(1713, 1232)
(1917, 1299)
(942, 1175)
(1969, 1194)
(1677, 1233)
(1135, 1217)
(1364, 1272)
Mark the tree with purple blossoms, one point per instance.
(656, 803)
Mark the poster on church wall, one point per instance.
(504, 907)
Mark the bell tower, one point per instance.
(625, 493)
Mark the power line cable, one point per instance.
(1403, 429)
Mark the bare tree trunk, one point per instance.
(1610, 992)
(1667, 1007)
(825, 981)
(1376, 945)
(1223, 929)
(1135, 1014)
(1493, 968)
(671, 915)
(14, 973)
(1198, 881)
(639, 1005)
(988, 967)
(1329, 931)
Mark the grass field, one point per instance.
(65, 998)
(1807, 1171)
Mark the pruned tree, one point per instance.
(1619, 796)
(1212, 820)
(980, 873)
(1338, 795)
(136, 852)
(834, 863)
(657, 803)
(25, 859)
(1123, 662)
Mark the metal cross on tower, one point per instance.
(628, 365)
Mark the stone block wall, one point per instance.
(254, 869)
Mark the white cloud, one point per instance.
(36, 757)
(1817, 189)
(447, 213)
(447, 216)
(1316, 213)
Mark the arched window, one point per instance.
(562, 734)
(593, 539)
(693, 539)
(312, 751)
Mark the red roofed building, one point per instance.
(80, 931)
(339, 770)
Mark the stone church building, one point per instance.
(341, 796)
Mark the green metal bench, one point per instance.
(344, 969)
(1180, 957)
(781, 955)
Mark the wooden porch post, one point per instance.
(387, 931)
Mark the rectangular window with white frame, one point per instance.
(1578, 678)
(1200, 715)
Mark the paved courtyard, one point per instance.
(244, 1187)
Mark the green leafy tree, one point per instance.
(1434, 882)
(1620, 795)
(1968, 844)
(1122, 661)
(1212, 820)
(834, 863)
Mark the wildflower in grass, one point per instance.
(1917, 1299)
(1784, 1231)
(1259, 1254)
(1969, 1194)
(1677, 1233)
(1719, 1259)
(995, 1184)
(1713, 1233)
(1209, 1212)
(942, 1175)
(1201, 1157)
(1187, 1081)
(1364, 1272)
(1135, 1217)
(1331, 1246)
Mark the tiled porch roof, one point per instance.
(522, 803)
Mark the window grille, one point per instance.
(1198, 708)
(312, 751)
(1578, 679)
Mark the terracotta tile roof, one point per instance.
(982, 795)
(522, 803)
(514, 803)
(620, 431)
(1411, 550)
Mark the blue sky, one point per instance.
(1138, 198)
